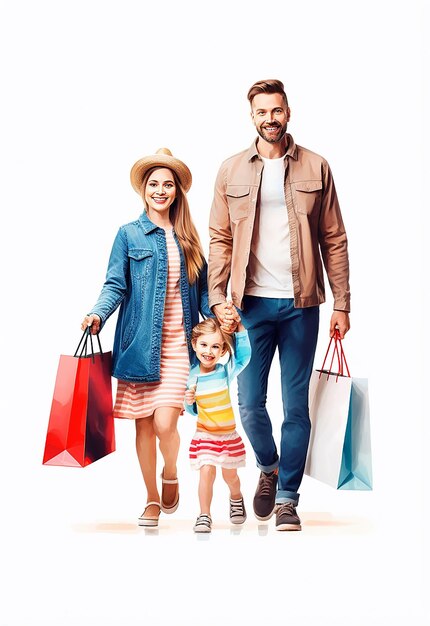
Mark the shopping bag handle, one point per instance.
(342, 355)
(339, 352)
(84, 342)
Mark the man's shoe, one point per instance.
(264, 499)
(237, 511)
(287, 518)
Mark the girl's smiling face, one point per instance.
(209, 349)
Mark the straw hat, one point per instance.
(162, 158)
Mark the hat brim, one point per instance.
(141, 166)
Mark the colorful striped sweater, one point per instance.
(213, 404)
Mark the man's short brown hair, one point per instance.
(267, 86)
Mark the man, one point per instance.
(275, 220)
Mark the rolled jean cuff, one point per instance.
(268, 468)
(287, 496)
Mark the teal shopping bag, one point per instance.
(339, 452)
(356, 467)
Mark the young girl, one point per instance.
(216, 442)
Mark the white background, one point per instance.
(87, 89)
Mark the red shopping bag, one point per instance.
(81, 424)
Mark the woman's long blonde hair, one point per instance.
(186, 232)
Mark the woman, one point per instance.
(157, 275)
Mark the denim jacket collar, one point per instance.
(291, 149)
(146, 223)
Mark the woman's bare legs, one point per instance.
(147, 455)
(166, 429)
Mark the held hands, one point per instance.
(190, 394)
(91, 320)
(227, 316)
(339, 320)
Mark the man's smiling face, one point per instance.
(270, 115)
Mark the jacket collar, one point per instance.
(291, 149)
(146, 223)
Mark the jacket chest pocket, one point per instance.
(238, 200)
(307, 195)
(141, 260)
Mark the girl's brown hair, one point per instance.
(186, 232)
(209, 326)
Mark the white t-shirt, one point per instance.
(269, 268)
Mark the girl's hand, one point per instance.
(190, 394)
(91, 320)
(229, 328)
(228, 316)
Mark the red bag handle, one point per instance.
(342, 354)
(87, 334)
(339, 352)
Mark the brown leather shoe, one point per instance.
(264, 499)
(287, 518)
(168, 507)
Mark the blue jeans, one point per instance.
(275, 323)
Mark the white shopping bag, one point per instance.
(339, 452)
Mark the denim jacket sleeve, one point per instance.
(115, 286)
(203, 292)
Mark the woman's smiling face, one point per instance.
(160, 191)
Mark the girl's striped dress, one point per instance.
(216, 441)
(136, 400)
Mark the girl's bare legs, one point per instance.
(206, 482)
(165, 428)
(147, 455)
(232, 479)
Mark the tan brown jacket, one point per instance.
(315, 222)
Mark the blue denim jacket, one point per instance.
(136, 279)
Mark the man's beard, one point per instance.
(275, 137)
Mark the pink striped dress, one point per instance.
(136, 400)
